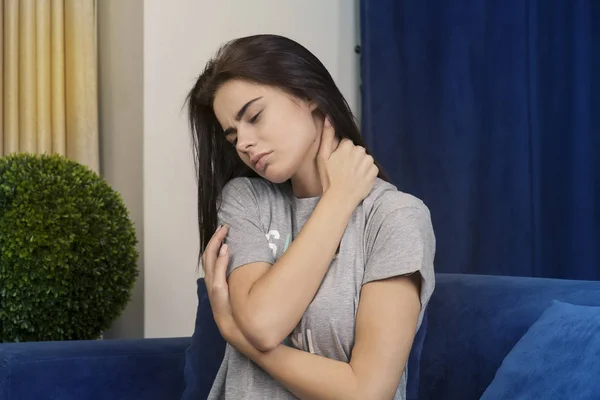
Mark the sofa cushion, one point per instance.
(557, 358)
(414, 361)
(205, 353)
(148, 369)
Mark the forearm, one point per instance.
(309, 376)
(386, 323)
(279, 298)
(387, 320)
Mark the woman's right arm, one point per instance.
(268, 300)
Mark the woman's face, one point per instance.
(273, 132)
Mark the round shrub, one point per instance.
(68, 258)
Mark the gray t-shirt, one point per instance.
(389, 234)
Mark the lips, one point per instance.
(259, 160)
(261, 163)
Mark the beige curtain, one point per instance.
(48, 84)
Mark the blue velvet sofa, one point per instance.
(473, 323)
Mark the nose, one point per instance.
(245, 141)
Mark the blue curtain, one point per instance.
(489, 111)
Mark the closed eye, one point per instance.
(255, 118)
(231, 134)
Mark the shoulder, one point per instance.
(399, 237)
(386, 201)
(244, 185)
(250, 191)
(397, 215)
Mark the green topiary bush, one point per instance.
(68, 258)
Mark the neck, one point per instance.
(306, 181)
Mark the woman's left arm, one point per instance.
(385, 328)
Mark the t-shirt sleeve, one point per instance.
(402, 243)
(246, 238)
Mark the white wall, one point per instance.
(121, 88)
(179, 37)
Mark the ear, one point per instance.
(313, 106)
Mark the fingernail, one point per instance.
(218, 227)
(223, 249)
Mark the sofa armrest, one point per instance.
(96, 369)
(475, 320)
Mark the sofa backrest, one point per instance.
(475, 320)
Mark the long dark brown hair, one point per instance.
(263, 59)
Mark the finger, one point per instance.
(220, 270)
(210, 253)
(204, 264)
(368, 166)
(327, 139)
(373, 172)
(367, 160)
(361, 151)
(208, 273)
(346, 144)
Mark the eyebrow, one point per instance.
(240, 115)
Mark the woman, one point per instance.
(327, 268)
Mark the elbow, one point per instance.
(262, 336)
(265, 343)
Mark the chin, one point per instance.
(275, 175)
(275, 178)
